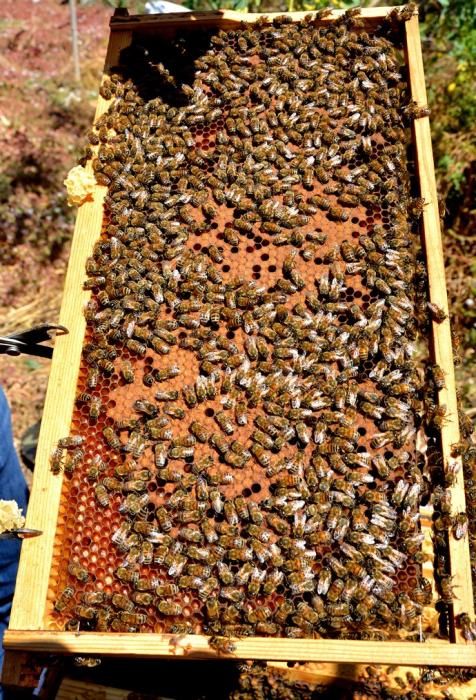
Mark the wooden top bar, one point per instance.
(120, 21)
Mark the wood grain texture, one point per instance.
(35, 562)
(441, 336)
(34, 572)
(227, 18)
(72, 689)
(434, 652)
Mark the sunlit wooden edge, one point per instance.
(435, 652)
(121, 22)
(460, 564)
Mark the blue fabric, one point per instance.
(12, 487)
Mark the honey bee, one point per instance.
(180, 452)
(127, 575)
(135, 347)
(112, 484)
(142, 598)
(458, 449)
(338, 214)
(460, 526)
(209, 532)
(322, 175)
(95, 408)
(416, 207)
(436, 312)
(64, 599)
(468, 627)
(78, 571)
(85, 612)
(72, 461)
(165, 373)
(105, 365)
(256, 515)
(127, 372)
(261, 455)
(198, 431)
(93, 597)
(437, 417)
(71, 442)
(101, 495)
(169, 608)
(146, 407)
(144, 584)
(111, 438)
(174, 411)
(225, 422)
(92, 378)
(208, 588)
(212, 608)
(131, 618)
(446, 590)
(56, 460)
(163, 519)
(222, 645)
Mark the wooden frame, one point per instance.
(26, 630)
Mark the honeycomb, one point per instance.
(242, 457)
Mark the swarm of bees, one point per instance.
(314, 390)
(259, 680)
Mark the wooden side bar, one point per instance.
(36, 555)
(436, 652)
(441, 336)
(28, 611)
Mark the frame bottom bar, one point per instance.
(431, 653)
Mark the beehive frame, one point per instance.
(27, 625)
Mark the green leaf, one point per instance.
(31, 364)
